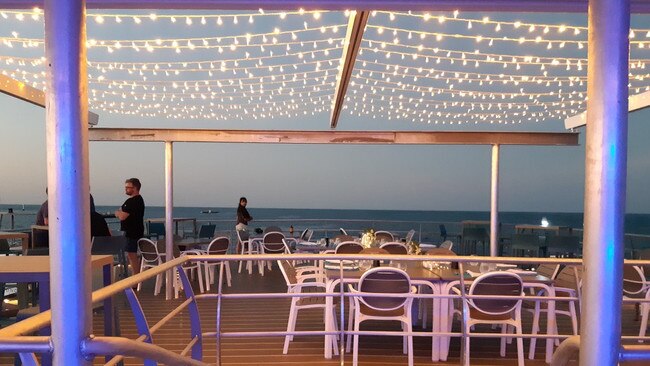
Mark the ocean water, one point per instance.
(327, 221)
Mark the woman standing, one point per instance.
(243, 217)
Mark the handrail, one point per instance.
(43, 319)
(634, 352)
(119, 345)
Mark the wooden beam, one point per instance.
(336, 137)
(353, 38)
(560, 6)
(22, 91)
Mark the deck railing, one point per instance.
(14, 339)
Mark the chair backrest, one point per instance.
(243, 235)
(156, 229)
(272, 242)
(109, 245)
(409, 235)
(440, 252)
(496, 283)
(645, 254)
(306, 235)
(634, 282)
(207, 231)
(341, 238)
(443, 231)
(342, 231)
(385, 281)
(548, 270)
(395, 248)
(219, 246)
(4, 245)
(148, 249)
(271, 229)
(384, 236)
(447, 244)
(348, 247)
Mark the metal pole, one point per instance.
(605, 171)
(67, 177)
(169, 214)
(494, 203)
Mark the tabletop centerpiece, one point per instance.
(369, 240)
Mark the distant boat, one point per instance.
(209, 211)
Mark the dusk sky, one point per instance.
(320, 176)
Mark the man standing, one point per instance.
(131, 216)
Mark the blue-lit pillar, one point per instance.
(67, 178)
(169, 215)
(494, 203)
(605, 171)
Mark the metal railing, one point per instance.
(14, 338)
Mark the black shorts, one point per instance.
(131, 245)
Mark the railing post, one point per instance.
(494, 203)
(605, 170)
(67, 176)
(169, 215)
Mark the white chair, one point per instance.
(246, 245)
(151, 258)
(395, 247)
(302, 280)
(190, 267)
(384, 237)
(635, 286)
(566, 284)
(218, 246)
(272, 244)
(409, 236)
(373, 307)
(447, 244)
(506, 312)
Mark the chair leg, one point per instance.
(355, 349)
(207, 273)
(350, 325)
(504, 331)
(291, 326)
(645, 310)
(466, 344)
(534, 331)
(520, 344)
(200, 276)
(141, 270)
(404, 341)
(228, 274)
(158, 285)
(409, 341)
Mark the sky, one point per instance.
(316, 176)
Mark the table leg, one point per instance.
(44, 305)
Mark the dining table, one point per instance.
(439, 280)
(23, 237)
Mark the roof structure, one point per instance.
(419, 69)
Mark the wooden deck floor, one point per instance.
(271, 315)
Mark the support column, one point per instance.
(67, 178)
(605, 173)
(169, 215)
(494, 203)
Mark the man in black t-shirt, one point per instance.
(131, 216)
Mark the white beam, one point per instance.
(635, 102)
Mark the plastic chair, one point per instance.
(207, 231)
(151, 258)
(342, 231)
(366, 307)
(395, 248)
(409, 236)
(191, 266)
(635, 286)
(384, 237)
(506, 312)
(299, 281)
(218, 246)
(447, 244)
(272, 229)
(423, 308)
(272, 244)
(566, 284)
(348, 247)
(246, 247)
